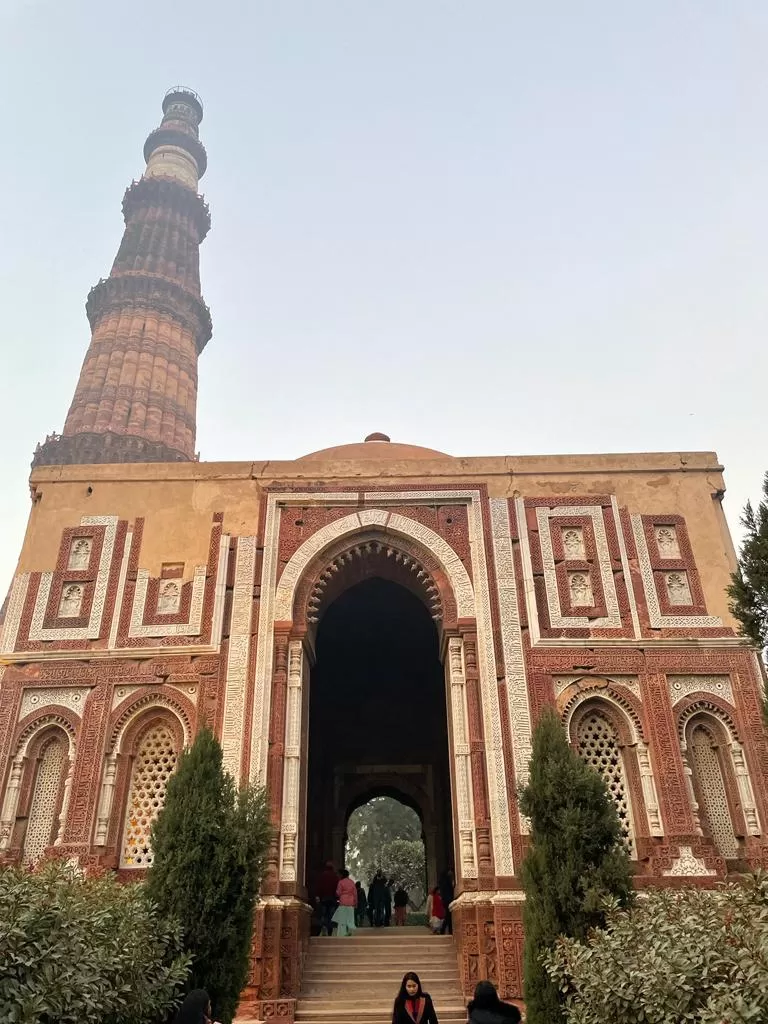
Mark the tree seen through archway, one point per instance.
(387, 834)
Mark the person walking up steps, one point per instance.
(362, 905)
(435, 911)
(359, 912)
(344, 918)
(377, 899)
(412, 1004)
(326, 896)
(401, 906)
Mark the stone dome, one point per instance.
(375, 446)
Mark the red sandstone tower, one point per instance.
(136, 397)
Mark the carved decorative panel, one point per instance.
(44, 810)
(599, 746)
(152, 767)
(708, 773)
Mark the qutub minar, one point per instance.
(296, 607)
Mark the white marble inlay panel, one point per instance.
(72, 697)
(612, 620)
(92, 631)
(657, 620)
(681, 686)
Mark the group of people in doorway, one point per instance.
(343, 905)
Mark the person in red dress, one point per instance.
(435, 910)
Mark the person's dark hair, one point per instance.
(194, 1009)
(344, 873)
(486, 997)
(402, 995)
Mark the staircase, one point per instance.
(355, 980)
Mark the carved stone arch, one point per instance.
(719, 785)
(367, 554)
(627, 772)
(715, 710)
(407, 791)
(146, 751)
(144, 721)
(622, 709)
(133, 707)
(404, 792)
(36, 796)
(396, 528)
(53, 716)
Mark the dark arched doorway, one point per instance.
(377, 718)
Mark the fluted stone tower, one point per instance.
(136, 398)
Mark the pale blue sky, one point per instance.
(485, 227)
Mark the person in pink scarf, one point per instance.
(346, 894)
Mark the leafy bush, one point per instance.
(210, 844)
(84, 951)
(575, 860)
(693, 955)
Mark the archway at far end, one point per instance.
(386, 834)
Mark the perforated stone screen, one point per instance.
(44, 809)
(708, 774)
(599, 746)
(153, 766)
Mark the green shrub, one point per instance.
(576, 858)
(210, 844)
(84, 951)
(693, 955)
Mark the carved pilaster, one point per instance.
(10, 803)
(106, 800)
(461, 759)
(289, 825)
(650, 797)
(746, 793)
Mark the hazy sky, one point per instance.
(484, 227)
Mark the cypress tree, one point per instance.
(209, 845)
(749, 583)
(576, 858)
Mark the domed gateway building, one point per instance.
(156, 594)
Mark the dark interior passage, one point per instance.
(377, 718)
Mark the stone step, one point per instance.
(376, 934)
(385, 973)
(354, 980)
(382, 986)
(349, 942)
(378, 1016)
(449, 997)
(375, 1011)
(375, 969)
(348, 950)
(362, 957)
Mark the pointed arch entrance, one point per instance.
(372, 575)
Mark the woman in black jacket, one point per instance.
(412, 1004)
(196, 1008)
(487, 1008)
